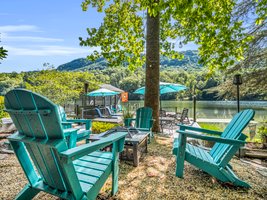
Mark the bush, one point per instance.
(212, 126)
(2, 112)
(99, 127)
(262, 130)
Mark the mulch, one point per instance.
(153, 179)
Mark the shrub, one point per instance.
(262, 130)
(99, 127)
(212, 126)
(2, 112)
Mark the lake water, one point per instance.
(210, 109)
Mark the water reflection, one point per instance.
(211, 109)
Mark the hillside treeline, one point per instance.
(66, 86)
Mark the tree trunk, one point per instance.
(152, 68)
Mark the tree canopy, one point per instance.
(130, 26)
(3, 53)
(208, 23)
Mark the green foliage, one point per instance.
(99, 127)
(209, 23)
(212, 126)
(127, 114)
(120, 36)
(60, 87)
(2, 112)
(63, 87)
(3, 53)
(10, 81)
(262, 131)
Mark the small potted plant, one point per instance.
(263, 133)
(127, 116)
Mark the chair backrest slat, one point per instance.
(38, 119)
(41, 125)
(232, 131)
(143, 117)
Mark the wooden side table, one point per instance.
(134, 147)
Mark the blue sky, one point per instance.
(36, 32)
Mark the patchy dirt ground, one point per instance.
(153, 179)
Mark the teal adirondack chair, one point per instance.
(216, 161)
(43, 153)
(143, 120)
(82, 134)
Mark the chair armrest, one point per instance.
(87, 122)
(143, 129)
(66, 123)
(80, 151)
(212, 138)
(185, 127)
(70, 131)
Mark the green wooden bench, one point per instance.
(49, 165)
(216, 161)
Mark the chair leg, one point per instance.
(151, 135)
(179, 172)
(27, 193)
(115, 175)
(233, 178)
(180, 157)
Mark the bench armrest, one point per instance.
(212, 138)
(80, 151)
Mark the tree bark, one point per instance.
(152, 68)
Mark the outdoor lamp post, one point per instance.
(237, 81)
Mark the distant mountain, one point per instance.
(190, 60)
(81, 64)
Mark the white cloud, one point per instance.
(52, 50)
(6, 37)
(18, 28)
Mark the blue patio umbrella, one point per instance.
(163, 88)
(102, 92)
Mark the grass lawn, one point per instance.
(221, 127)
(153, 179)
